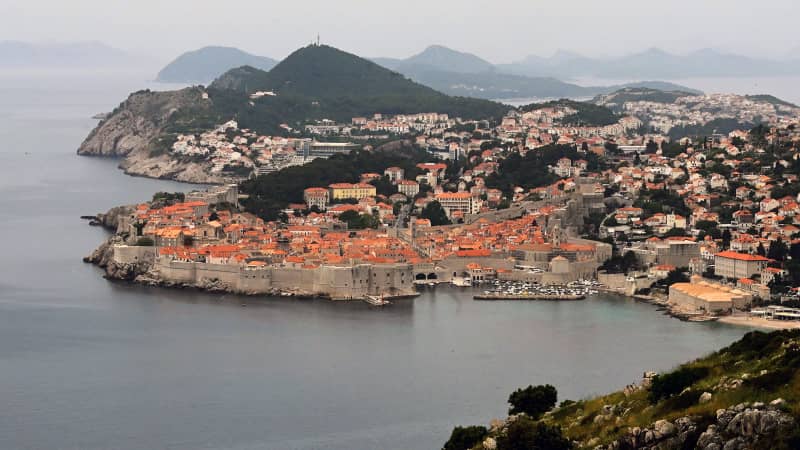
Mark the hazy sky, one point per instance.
(500, 31)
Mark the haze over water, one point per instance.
(89, 364)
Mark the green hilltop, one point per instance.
(319, 81)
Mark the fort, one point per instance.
(337, 282)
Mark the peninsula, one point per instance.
(688, 201)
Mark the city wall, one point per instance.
(337, 282)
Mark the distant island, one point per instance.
(205, 64)
(65, 56)
(652, 63)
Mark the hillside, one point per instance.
(313, 83)
(770, 99)
(588, 114)
(205, 64)
(322, 81)
(268, 195)
(616, 99)
(745, 396)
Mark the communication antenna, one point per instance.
(317, 39)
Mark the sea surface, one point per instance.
(90, 364)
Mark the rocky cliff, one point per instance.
(131, 132)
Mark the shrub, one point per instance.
(527, 434)
(464, 438)
(682, 401)
(771, 380)
(533, 401)
(667, 385)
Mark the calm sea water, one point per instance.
(89, 364)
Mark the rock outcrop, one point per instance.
(132, 130)
(741, 427)
(133, 125)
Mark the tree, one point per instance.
(434, 212)
(675, 232)
(463, 438)
(726, 239)
(527, 434)
(777, 250)
(760, 250)
(356, 221)
(533, 400)
(629, 261)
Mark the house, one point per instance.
(316, 196)
(732, 264)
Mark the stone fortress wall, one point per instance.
(339, 282)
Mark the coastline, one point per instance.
(758, 322)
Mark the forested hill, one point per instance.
(341, 85)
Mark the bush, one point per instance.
(667, 385)
(527, 434)
(682, 401)
(463, 438)
(533, 401)
(771, 381)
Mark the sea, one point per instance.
(87, 364)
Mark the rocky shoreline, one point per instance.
(130, 131)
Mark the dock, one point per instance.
(550, 297)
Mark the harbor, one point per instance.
(507, 290)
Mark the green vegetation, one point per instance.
(465, 437)
(588, 113)
(528, 434)
(661, 201)
(168, 198)
(673, 383)
(721, 126)
(356, 221)
(318, 82)
(641, 94)
(269, 194)
(434, 212)
(533, 401)
(761, 367)
(531, 171)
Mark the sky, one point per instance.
(499, 31)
